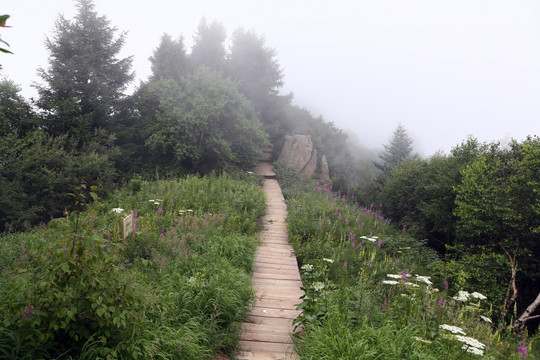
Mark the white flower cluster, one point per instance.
(307, 267)
(473, 350)
(390, 282)
(477, 295)
(156, 202)
(394, 276)
(328, 260)
(318, 286)
(182, 212)
(118, 210)
(486, 319)
(372, 239)
(472, 345)
(464, 296)
(425, 279)
(453, 329)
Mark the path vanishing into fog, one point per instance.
(267, 333)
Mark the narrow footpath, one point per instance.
(276, 279)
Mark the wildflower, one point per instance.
(64, 247)
(410, 284)
(353, 244)
(462, 296)
(473, 350)
(445, 283)
(523, 351)
(162, 234)
(307, 267)
(379, 243)
(390, 282)
(383, 305)
(394, 276)
(372, 239)
(317, 286)
(404, 275)
(328, 260)
(190, 211)
(470, 342)
(442, 303)
(181, 212)
(345, 266)
(118, 210)
(452, 329)
(417, 338)
(320, 224)
(250, 173)
(156, 202)
(159, 210)
(486, 319)
(368, 265)
(28, 313)
(424, 279)
(477, 295)
(151, 200)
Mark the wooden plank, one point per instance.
(275, 312)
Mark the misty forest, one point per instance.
(461, 229)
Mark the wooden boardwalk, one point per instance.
(276, 279)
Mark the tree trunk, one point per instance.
(520, 322)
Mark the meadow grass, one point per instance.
(176, 288)
(370, 292)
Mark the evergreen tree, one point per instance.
(399, 149)
(16, 115)
(85, 79)
(169, 60)
(208, 48)
(255, 66)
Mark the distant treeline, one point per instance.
(208, 109)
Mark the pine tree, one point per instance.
(399, 149)
(85, 79)
(169, 60)
(208, 48)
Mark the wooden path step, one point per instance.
(267, 333)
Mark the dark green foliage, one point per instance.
(169, 61)
(207, 124)
(16, 115)
(38, 171)
(399, 149)
(208, 48)
(255, 67)
(85, 79)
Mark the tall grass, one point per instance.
(176, 288)
(363, 298)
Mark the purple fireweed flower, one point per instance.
(445, 283)
(383, 305)
(442, 303)
(298, 208)
(135, 214)
(345, 266)
(404, 274)
(368, 265)
(64, 247)
(353, 244)
(339, 216)
(523, 351)
(159, 210)
(320, 224)
(379, 243)
(162, 234)
(346, 220)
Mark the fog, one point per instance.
(444, 69)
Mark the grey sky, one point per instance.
(445, 69)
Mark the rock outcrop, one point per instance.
(325, 173)
(298, 152)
